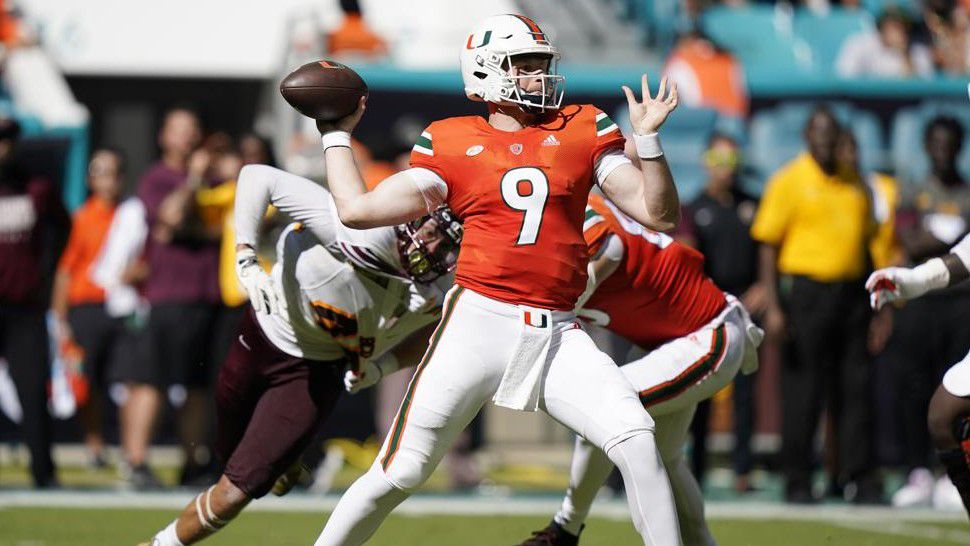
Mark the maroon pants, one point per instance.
(269, 407)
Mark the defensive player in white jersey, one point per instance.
(318, 314)
(518, 181)
(949, 412)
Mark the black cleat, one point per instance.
(552, 535)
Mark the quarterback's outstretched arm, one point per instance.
(900, 283)
(397, 199)
(648, 194)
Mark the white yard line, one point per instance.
(479, 505)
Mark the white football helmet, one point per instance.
(486, 63)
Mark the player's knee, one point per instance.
(637, 446)
(408, 470)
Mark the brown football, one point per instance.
(325, 90)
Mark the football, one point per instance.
(325, 90)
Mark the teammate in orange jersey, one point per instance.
(652, 292)
(518, 180)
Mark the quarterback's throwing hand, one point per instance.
(647, 116)
(262, 291)
(346, 123)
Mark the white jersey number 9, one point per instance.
(526, 189)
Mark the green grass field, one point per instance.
(97, 527)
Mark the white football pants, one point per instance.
(581, 388)
(671, 380)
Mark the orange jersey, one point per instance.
(521, 197)
(89, 228)
(659, 292)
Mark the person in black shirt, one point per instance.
(31, 219)
(718, 223)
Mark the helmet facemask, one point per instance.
(548, 97)
(428, 247)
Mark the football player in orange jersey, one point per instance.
(518, 180)
(650, 291)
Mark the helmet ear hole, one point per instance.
(480, 75)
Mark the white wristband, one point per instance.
(648, 146)
(336, 138)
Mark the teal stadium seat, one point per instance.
(824, 34)
(908, 156)
(758, 35)
(912, 7)
(776, 135)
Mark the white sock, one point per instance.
(361, 510)
(587, 474)
(647, 490)
(167, 536)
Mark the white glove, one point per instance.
(368, 375)
(264, 295)
(900, 283)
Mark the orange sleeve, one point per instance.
(423, 152)
(596, 226)
(9, 26)
(71, 257)
(608, 135)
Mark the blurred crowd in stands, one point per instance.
(144, 293)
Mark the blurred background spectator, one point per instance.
(31, 78)
(815, 225)
(718, 223)
(31, 219)
(948, 25)
(78, 302)
(182, 284)
(354, 38)
(707, 75)
(886, 52)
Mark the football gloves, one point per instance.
(264, 295)
(900, 283)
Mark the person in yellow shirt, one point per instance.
(814, 224)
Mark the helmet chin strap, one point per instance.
(536, 107)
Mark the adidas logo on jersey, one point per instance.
(550, 140)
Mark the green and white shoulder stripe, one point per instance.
(592, 218)
(604, 124)
(423, 145)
